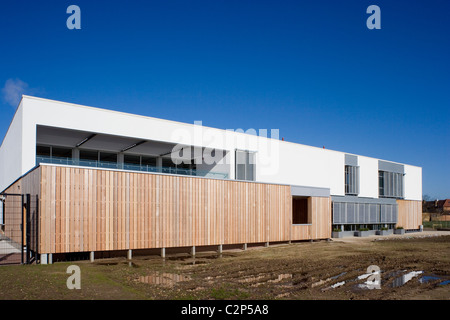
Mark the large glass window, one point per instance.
(168, 163)
(351, 180)
(58, 152)
(148, 161)
(43, 151)
(108, 157)
(245, 165)
(89, 155)
(390, 184)
(132, 159)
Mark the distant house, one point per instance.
(437, 206)
(446, 206)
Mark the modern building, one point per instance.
(109, 181)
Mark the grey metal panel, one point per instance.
(361, 212)
(337, 213)
(394, 214)
(351, 214)
(374, 216)
(303, 191)
(365, 212)
(356, 199)
(351, 160)
(390, 166)
(388, 213)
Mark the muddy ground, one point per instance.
(305, 270)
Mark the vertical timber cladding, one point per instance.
(96, 210)
(409, 214)
(319, 209)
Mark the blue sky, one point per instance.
(309, 68)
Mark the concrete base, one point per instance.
(91, 256)
(163, 252)
(46, 258)
(193, 251)
(220, 249)
(129, 254)
(244, 247)
(266, 244)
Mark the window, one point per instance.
(54, 152)
(245, 165)
(89, 155)
(351, 180)
(61, 152)
(300, 211)
(390, 184)
(108, 157)
(168, 163)
(43, 151)
(131, 159)
(148, 161)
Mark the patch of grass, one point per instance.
(224, 292)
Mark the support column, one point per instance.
(193, 251)
(244, 247)
(50, 258)
(231, 161)
(129, 254)
(219, 249)
(120, 160)
(266, 244)
(44, 258)
(163, 252)
(159, 163)
(91, 256)
(75, 155)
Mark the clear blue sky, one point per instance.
(309, 68)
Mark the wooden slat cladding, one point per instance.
(319, 209)
(95, 210)
(409, 214)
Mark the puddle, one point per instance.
(321, 282)
(366, 275)
(163, 279)
(400, 281)
(339, 284)
(431, 278)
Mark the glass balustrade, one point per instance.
(130, 167)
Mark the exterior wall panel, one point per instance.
(99, 210)
(409, 214)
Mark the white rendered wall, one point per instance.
(11, 151)
(277, 161)
(368, 177)
(307, 166)
(413, 183)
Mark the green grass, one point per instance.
(436, 224)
